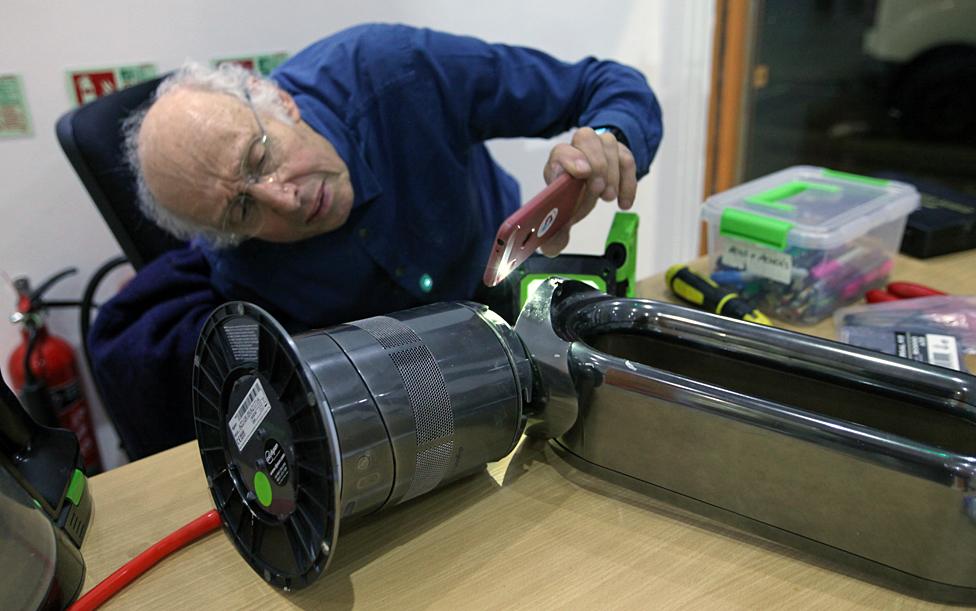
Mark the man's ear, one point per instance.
(290, 107)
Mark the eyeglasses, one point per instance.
(256, 167)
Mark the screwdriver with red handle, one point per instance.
(896, 291)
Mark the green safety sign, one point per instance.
(260, 64)
(14, 117)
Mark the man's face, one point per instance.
(198, 147)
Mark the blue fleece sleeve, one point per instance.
(499, 91)
(142, 344)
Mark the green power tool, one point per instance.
(613, 272)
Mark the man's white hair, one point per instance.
(230, 79)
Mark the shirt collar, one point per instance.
(326, 123)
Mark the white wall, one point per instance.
(47, 221)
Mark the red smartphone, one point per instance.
(531, 226)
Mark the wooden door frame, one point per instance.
(727, 118)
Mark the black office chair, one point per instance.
(92, 140)
(91, 137)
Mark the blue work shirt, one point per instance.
(409, 110)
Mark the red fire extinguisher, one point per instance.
(44, 372)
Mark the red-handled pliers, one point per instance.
(900, 290)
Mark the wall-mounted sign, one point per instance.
(14, 118)
(87, 85)
(261, 64)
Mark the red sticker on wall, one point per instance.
(88, 85)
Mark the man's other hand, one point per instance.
(608, 168)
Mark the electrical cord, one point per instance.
(88, 300)
(33, 394)
(122, 577)
(29, 378)
(88, 304)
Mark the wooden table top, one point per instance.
(529, 532)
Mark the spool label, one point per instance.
(274, 457)
(249, 414)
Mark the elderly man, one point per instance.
(353, 183)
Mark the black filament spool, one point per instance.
(298, 433)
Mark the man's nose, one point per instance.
(279, 196)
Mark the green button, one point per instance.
(77, 487)
(262, 488)
(426, 283)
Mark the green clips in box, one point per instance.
(804, 241)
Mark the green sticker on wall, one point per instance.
(15, 119)
(261, 64)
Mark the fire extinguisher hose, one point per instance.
(178, 539)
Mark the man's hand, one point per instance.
(608, 168)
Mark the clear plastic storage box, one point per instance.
(802, 242)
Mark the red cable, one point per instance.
(111, 585)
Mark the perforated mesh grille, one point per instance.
(429, 399)
(242, 335)
(432, 463)
(389, 332)
(428, 394)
